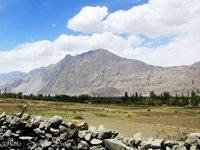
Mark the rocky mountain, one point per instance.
(15, 75)
(101, 72)
(11, 76)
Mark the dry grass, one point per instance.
(158, 122)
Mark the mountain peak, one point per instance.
(101, 54)
(96, 51)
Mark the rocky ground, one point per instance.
(20, 131)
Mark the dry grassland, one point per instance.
(161, 122)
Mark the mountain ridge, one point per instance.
(103, 73)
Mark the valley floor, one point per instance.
(157, 122)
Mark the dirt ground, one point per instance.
(158, 122)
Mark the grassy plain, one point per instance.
(159, 122)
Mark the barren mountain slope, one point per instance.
(103, 73)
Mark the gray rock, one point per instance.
(73, 133)
(48, 135)
(179, 147)
(1, 130)
(157, 143)
(63, 129)
(71, 125)
(120, 136)
(71, 144)
(26, 138)
(169, 143)
(88, 137)
(54, 131)
(56, 140)
(55, 121)
(37, 120)
(114, 133)
(18, 115)
(95, 141)
(192, 140)
(104, 134)
(4, 128)
(145, 145)
(44, 126)
(82, 134)
(114, 144)
(128, 141)
(83, 126)
(31, 125)
(168, 148)
(64, 136)
(45, 143)
(16, 122)
(25, 117)
(98, 147)
(83, 145)
(39, 132)
(101, 128)
(193, 147)
(92, 128)
(7, 133)
(138, 138)
(3, 115)
(95, 134)
(194, 134)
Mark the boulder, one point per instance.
(55, 134)
(82, 134)
(138, 138)
(83, 126)
(88, 137)
(192, 140)
(63, 129)
(114, 144)
(104, 134)
(55, 121)
(83, 145)
(95, 141)
(157, 143)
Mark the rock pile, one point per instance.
(21, 132)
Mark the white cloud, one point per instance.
(157, 18)
(121, 33)
(88, 20)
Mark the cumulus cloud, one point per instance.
(28, 56)
(157, 18)
(164, 33)
(88, 20)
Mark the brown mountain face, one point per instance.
(103, 73)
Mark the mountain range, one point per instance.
(103, 73)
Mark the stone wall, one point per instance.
(23, 132)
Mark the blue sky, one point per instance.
(35, 33)
(34, 20)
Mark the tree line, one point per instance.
(165, 98)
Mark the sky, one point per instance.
(35, 33)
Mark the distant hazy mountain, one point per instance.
(7, 77)
(15, 75)
(101, 72)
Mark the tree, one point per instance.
(166, 95)
(194, 100)
(136, 97)
(20, 95)
(132, 98)
(198, 91)
(152, 94)
(125, 98)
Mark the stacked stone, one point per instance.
(21, 132)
